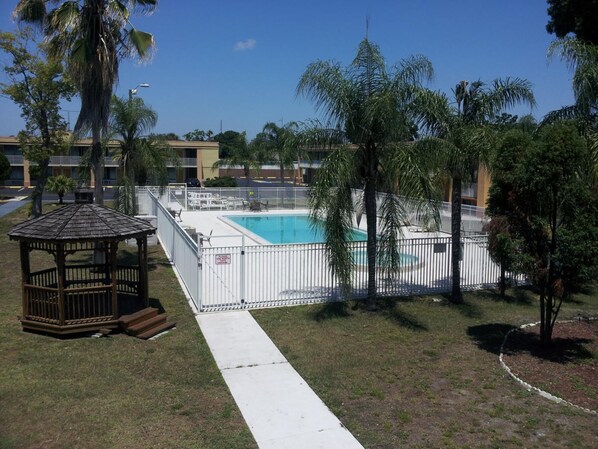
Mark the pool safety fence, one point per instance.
(242, 276)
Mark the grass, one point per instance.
(425, 374)
(111, 392)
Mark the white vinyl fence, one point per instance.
(236, 277)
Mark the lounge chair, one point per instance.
(176, 214)
(205, 238)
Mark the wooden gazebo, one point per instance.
(90, 292)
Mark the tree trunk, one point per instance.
(547, 316)
(503, 281)
(38, 191)
(281, 173)
(456, 296)
(97, 156)
(371, 214)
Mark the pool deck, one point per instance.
(223, 234)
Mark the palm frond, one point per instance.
(331, 202)
(325, 84)
(413, 71)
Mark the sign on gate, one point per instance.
(222, 259)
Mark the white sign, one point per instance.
(222, 259)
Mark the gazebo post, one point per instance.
(113, 245)
(25, 273)
(142, 264)
(60, 272)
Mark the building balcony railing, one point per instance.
(15, 159)
(74, 161)
(470, 190)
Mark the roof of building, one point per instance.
(81, 222)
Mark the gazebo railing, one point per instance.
(128, 279)
(43, 278)
(88, 305)
(42, 304)
(87, 294)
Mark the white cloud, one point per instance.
(245, 45)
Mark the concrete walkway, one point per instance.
(281, 410)
(9, 206)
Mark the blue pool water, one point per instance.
(286, 228)
(360, 257)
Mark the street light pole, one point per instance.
(134, 90)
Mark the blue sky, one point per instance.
(239, 61)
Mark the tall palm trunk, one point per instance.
(97, 166)
(246, 172)
(456, 296)
(371, 214)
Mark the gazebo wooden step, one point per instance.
(156, 330)
(126, 321)
(144, 325)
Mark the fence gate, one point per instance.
(222, 273)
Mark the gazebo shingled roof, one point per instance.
(81, 222)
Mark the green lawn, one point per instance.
(115, 392)
(425, 374)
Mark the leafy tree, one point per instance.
(199, 135)
(249, 156)
(502, 244)
(37, 84)
(579, 17)
(92, 35)
(279, 143)
(61, 185)
(230, 142)
(165, 136)
(460, 138)
(552, 215)
(4, 167)
(366, 104)
(141, 159)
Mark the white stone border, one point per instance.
(529, 387)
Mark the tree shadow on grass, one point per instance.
(389, 308)
(562, 350)
(386, 307)
(330, 310)
(518, 295)
(489, 337)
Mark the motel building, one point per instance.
(196, 160)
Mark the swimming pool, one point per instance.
(286, 228)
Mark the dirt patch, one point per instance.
(569, 370)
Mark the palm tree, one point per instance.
(61, 185)
(460, 139)
(92, 35)
(582, 58)
(141, 159)
(366, 105)
(279, 142)
(249, 156)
